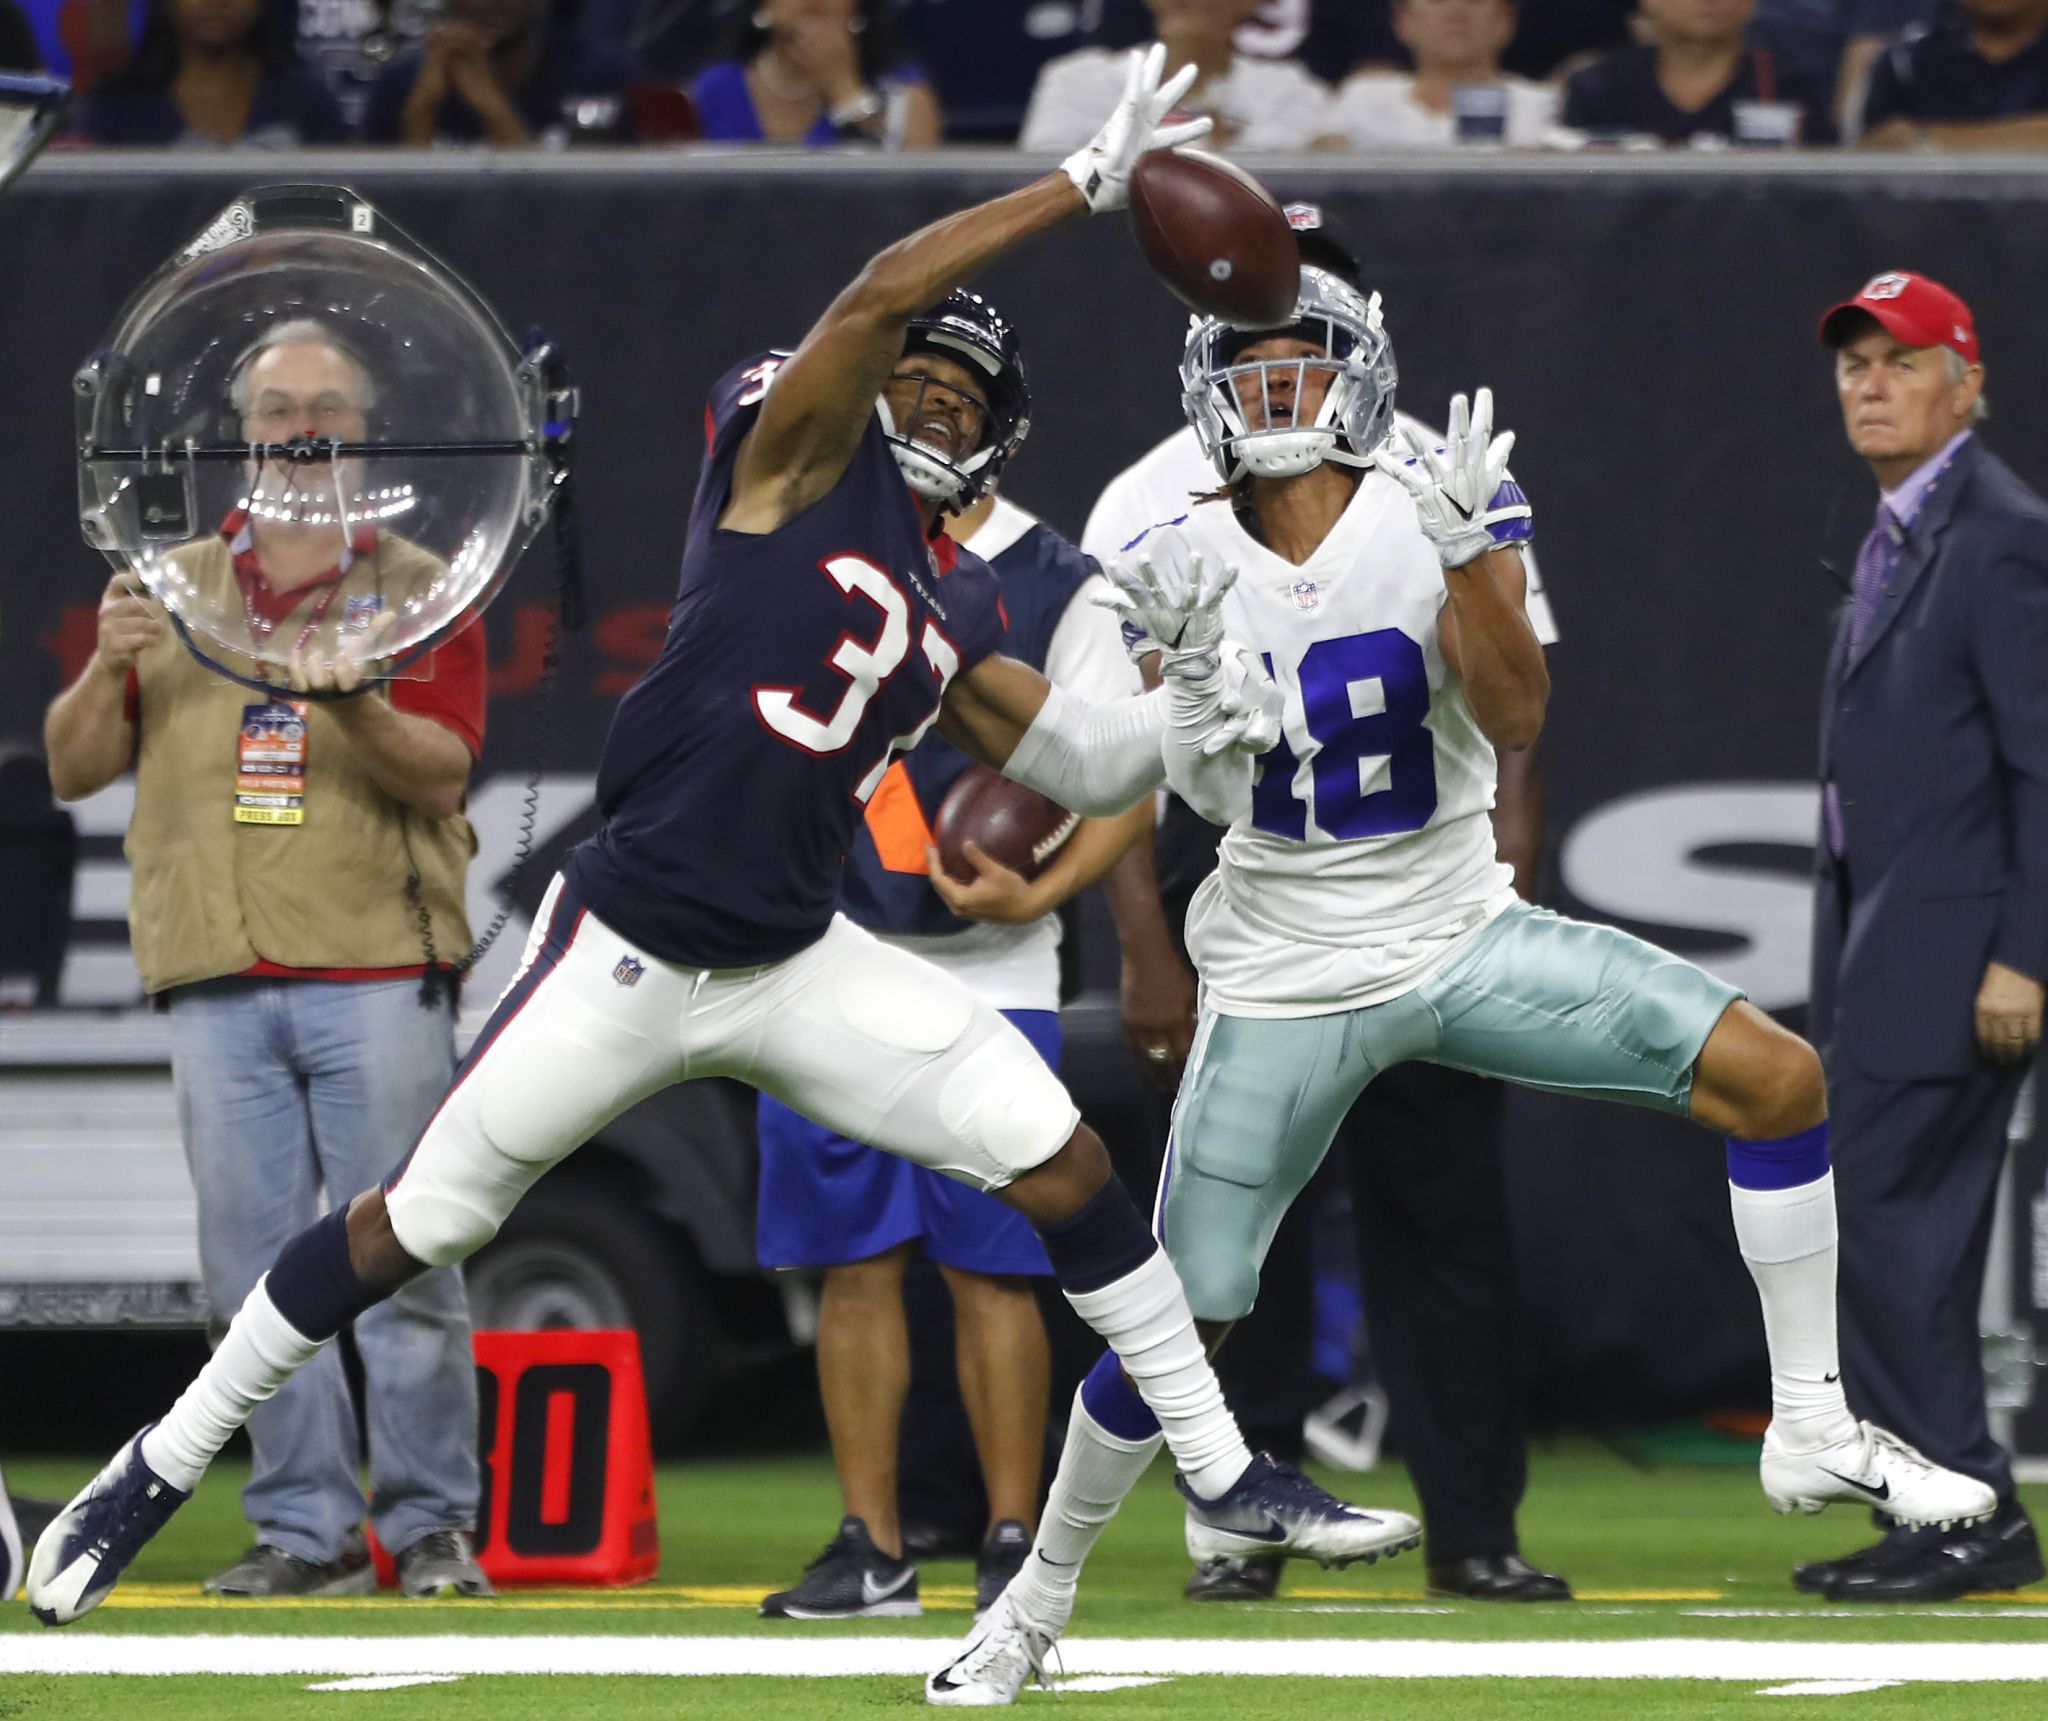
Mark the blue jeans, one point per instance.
(287, 1088)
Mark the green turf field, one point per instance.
(1685, 1610)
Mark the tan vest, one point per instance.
(212, 897)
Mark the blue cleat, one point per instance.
(1274, 1509)
(88, 1545)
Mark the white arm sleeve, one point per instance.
(1094, 760)
(1217, 786)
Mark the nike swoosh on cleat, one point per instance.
(1273, 1532)
(1883, 1491)
(872, 1592)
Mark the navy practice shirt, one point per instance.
(1936, 75)
(798, 662)
(1039, 575)
(1619, 92)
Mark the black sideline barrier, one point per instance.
(1648, 329)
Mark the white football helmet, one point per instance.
(1357, 407)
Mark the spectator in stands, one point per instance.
(498, 72)
(1834, 40)
(1695, 79)
(18, 50)
(213, 72)
(817, 72)
(293, 956)
(1554, 38)
(1256, 104)
(1456, 46)
(1978, 79)
(85, 41)
(348, 46)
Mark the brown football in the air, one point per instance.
(1215, 236)
(1008, 822)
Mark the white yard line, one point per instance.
(819, 1658)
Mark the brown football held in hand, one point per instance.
(1006, 821)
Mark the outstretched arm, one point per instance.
(1094, 760)
(1474, 516)
(818, 405)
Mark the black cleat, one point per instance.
(1001, 1558)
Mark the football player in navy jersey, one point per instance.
(823, 624)
(860, 1214)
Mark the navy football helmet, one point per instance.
(966, 328)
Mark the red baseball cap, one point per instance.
(1910, 308)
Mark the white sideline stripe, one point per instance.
(1826, 1687)
(822, 1658)
(386, 1682)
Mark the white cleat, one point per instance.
(1873, 1467)
(1006, 1648)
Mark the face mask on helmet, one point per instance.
(966, 329)
(1245, 411)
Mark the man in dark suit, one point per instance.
(1931, 916)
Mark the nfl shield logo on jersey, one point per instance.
(629, 970)
(1305, 595)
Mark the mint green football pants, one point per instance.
(1532, 997)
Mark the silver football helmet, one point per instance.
(1224, 399)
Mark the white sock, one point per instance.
(1144, 1318)
(1787, 1238)
(1097, 1469)
(262, 1350)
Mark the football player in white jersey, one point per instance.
(1358, 917)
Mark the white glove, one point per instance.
(1252, 706)
(1462, 494)
(1172, 595)
(1101, 170)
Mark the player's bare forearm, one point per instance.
(412, 759)
(986, 710)
(1491, 648)
(1095, 847)
(822, 398)
(87, 737)
(1518, 818)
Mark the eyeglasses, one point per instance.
(279, 415)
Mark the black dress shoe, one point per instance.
(1999, 1554)
(1496, 1577)
(1818, 1577)
(1232, 1577)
